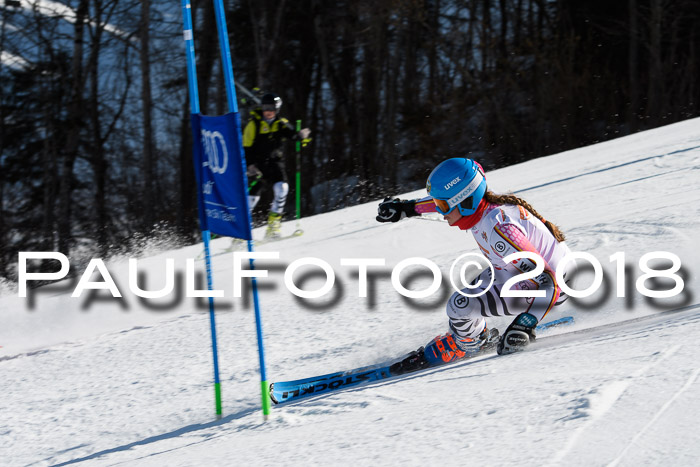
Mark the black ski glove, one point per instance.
(518, 335)
(393, 210)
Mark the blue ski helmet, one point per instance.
(457, 183)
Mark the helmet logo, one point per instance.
(467, 191)
(452, 183)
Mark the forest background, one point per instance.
(95, 127)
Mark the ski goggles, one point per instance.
(464, 199)
(269, 107)
(443, 207)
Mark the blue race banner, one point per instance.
(219, 166)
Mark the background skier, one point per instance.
(263, 141)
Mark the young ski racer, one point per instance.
(501, 225)
(263, 141)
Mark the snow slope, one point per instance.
(99, 381)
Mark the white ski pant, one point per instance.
(467, 314)
(280, 189)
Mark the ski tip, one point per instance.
(298, 233)
(272, 394)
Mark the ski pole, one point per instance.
(298, 231)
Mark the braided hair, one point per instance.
(501, 199)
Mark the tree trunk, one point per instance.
(97, 150)
(187, 212)
(632, 65)
(655, 72)
(486, 35)
(433, 72)
(503, 42)
(266, 18)
(50, 180)
(207, 48)
(75, 110)
(368, 110)
(148, 195)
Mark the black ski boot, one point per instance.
(413, 362)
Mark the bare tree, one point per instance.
(633, 65)
(147, 113)
(74, 119)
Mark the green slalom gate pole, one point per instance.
(298, 189)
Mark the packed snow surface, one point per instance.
(102, 381)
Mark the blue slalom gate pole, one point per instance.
(233, 107)
(206, 234)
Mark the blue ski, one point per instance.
(285, 391)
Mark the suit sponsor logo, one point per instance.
(517, 340)
(461, 301)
